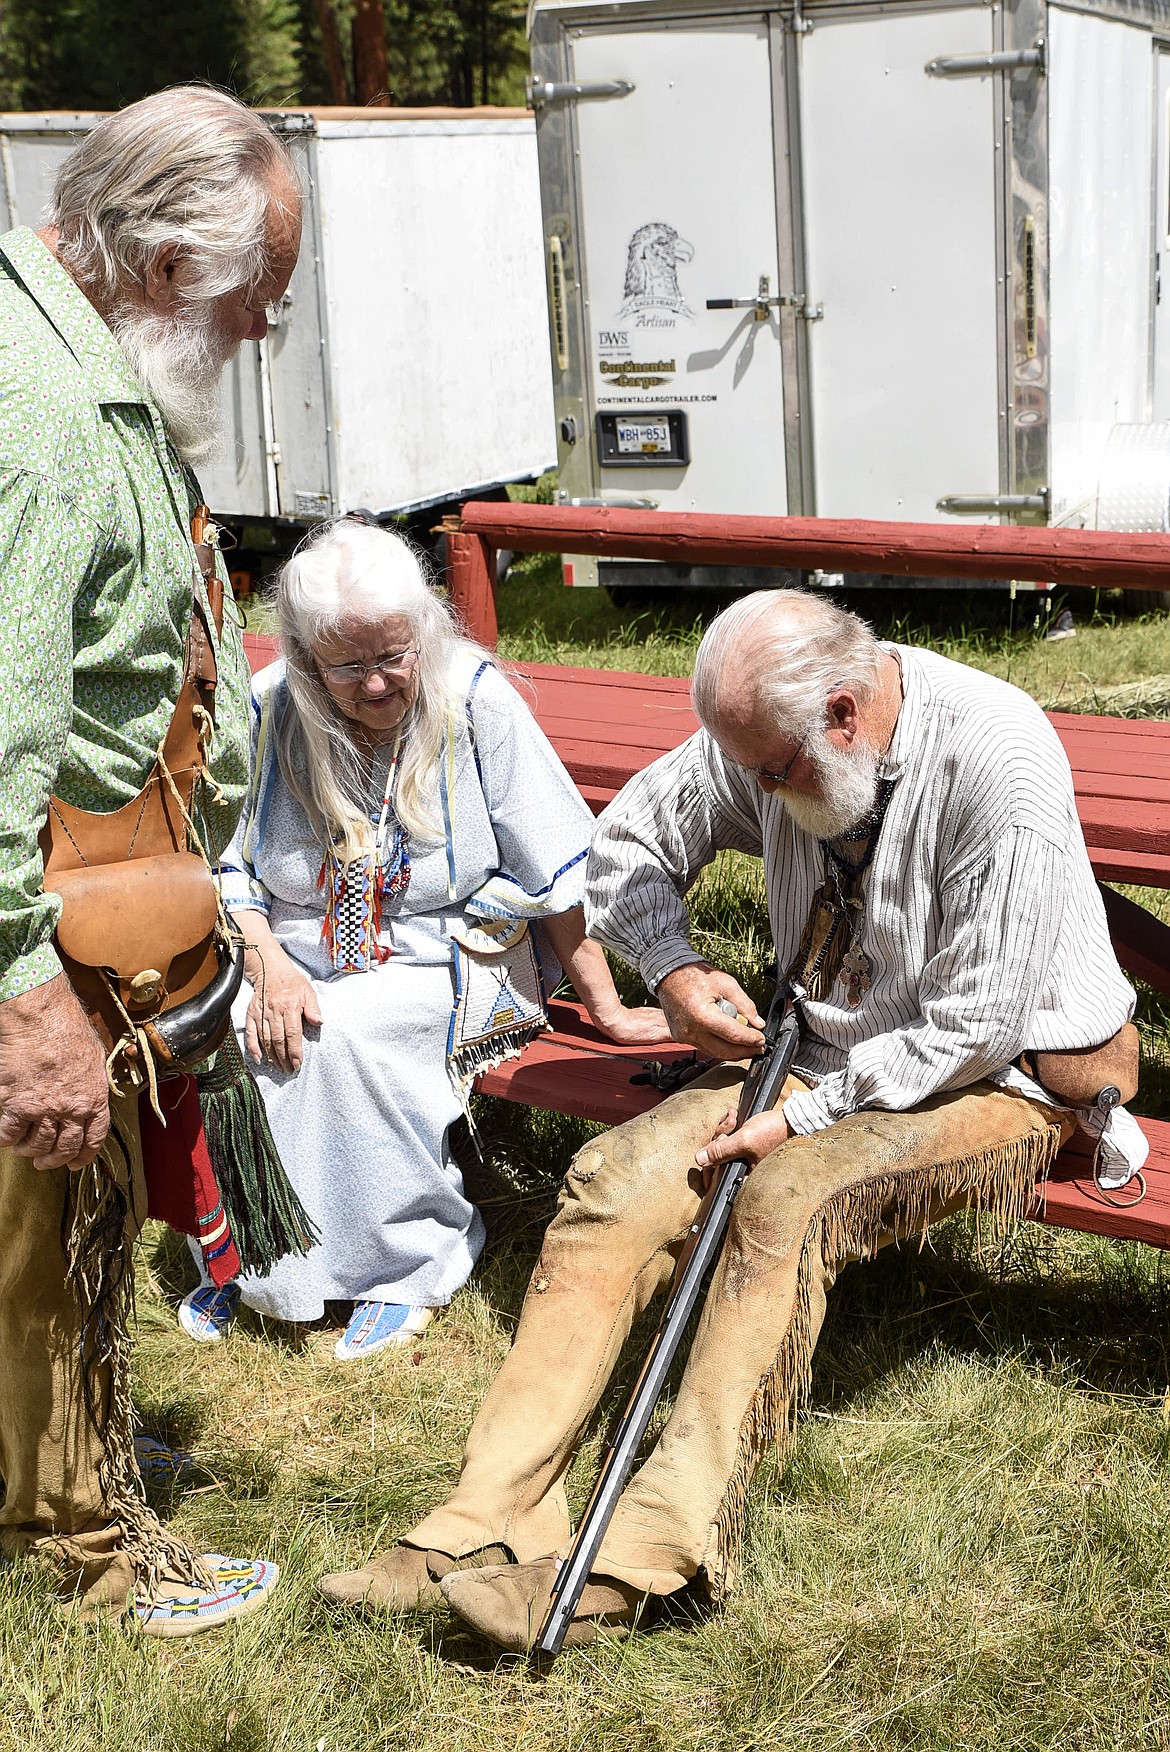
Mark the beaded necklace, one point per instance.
(355, 892)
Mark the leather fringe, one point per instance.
(99, 1263)
(852, 1224)
(471, 1060)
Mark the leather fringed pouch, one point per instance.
(142, 945)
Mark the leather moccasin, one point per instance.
(507, 1603)
(403, 1579)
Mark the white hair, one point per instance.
(782, 652)
(188, 166)
(347, 573)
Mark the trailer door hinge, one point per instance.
(543, 91)
(1002, 61)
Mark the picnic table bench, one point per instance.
(606, 725)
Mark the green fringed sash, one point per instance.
(266, 1218)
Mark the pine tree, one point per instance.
(100, 54)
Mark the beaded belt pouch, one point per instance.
(499, 997)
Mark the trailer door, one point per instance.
(900, 230)
(677, 205)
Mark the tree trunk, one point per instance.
(338, 83)
(484, 48)
(370, 74)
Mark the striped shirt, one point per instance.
(983, 922)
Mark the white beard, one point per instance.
(848, 783)
(179, 362)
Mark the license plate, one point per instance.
(654, 438)
(643, 437)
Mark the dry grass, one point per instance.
(969, 1546)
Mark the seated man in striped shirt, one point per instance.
(928, 885)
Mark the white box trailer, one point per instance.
(858, 258)
(408, 368)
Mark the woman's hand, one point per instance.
(644, 1026)
(584, 962)
(283, 1001)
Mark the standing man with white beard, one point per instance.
(173, 226)
(928, 885)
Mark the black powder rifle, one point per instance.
(763, 1083)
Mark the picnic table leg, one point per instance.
(471, 584)
(1140, 941)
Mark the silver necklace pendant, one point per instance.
(856, 975)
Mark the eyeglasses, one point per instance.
(272, 310)
(351, 676)
(781, 778)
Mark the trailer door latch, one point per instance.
(544, 91)
(763, 302)
(1002, 61)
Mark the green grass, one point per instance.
(969, 1546)
(543, 622)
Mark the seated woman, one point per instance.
(407, 822)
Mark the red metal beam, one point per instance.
(1100, 558)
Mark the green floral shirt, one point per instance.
(96, 575)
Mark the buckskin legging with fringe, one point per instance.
(71, 1496)
(808, 1208)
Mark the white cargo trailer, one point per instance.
(408, 367)
(858, 258)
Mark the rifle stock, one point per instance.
(763, 1083)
